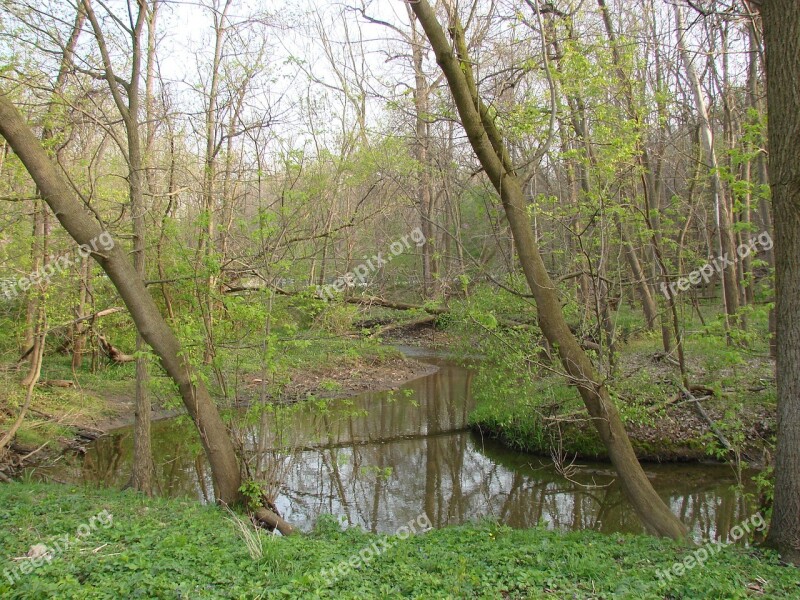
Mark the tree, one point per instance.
(127, 100)
(781, 20)
(489, 146)
(721, 207)
(149, 322)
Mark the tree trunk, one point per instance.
(145, 314)
(421, 143)
(208, 235)
(782, 40)
(493, 155)
(761, 172)
(142, 468)
(723, 217)
(639, 280)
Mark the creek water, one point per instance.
(381, 459)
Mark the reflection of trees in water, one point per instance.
(451, 480)
(309, 455)
(180, 468)
(712, 512)
(103, 466)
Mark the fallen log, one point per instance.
(273, 521)
(384, 303)
(59, 383)
(403, 324)
(114, 353)
(361, 300)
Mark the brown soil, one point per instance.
(681, 435)
(335, 381)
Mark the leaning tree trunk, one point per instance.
(782, 40)
(143, 310)
(490, 149)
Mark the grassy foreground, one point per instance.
(180, 549)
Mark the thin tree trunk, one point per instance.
(639, 280)
(721, 208)
(761, 172)
(30, 382)
(208, 236)
(142, 467)
(79, 330)
(421, 143)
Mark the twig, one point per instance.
(34, 378)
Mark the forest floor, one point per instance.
(160, 548)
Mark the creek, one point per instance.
(381, 459)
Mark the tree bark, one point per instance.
(639, 279)
(782, 40)
(491, 151)
(722, 210)
(149, 322)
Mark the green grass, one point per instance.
(71, 403)
(180, 549)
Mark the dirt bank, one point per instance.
(342, 379)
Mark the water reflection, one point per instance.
(382, 459)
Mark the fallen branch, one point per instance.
(98, 315)
(709, 421)
(114, 353)
(29, 454)
(676, 400)
(402, 324)
(382, 302)
(361, 300)
(59, 383)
